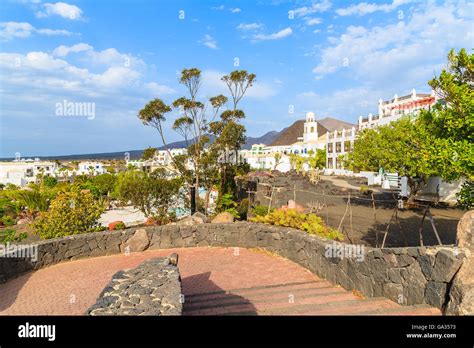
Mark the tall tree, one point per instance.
(195, 122)
(451, 122)
(400, 147)
(229, 132)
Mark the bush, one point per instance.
(153, 194)
(465, 196)
(104, 183)
(9, 235)
(310, 223)
(49, 181)
(8, 221)
(261, 210)
(70, 213)
(243, 208)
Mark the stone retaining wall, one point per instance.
(411, 275)
(152, 288)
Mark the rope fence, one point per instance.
(327, 207)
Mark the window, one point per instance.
(338, 163)
(330, 148)
(312, 129)
(329, 166)
(338, 147)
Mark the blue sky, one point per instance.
(335, 58)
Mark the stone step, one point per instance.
(254, 289)
(351, 307)
(256, 293)
(316, 297)
(264, 297)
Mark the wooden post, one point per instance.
(375, 221)
(421, 227)
(430, 217)
(271, 198)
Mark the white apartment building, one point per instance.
(338, 145)
(394, 109)
(90, 168)
(308, 135)
(162, 158)
(22, 172)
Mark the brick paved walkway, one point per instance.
(215, 281)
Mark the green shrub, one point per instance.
(8, 220)
(465, 196)
(261, 210)
(49, 181)
(243, 208)
(227, 204)
(9, 235)
(310, 223)
(70, 213)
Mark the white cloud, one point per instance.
(209, 41)
(345, 104)
(250, 26)
(61, 9)
(63, 51)
(364, 8)
(11, 30)
(307, 94)
(389, 59)
(400, 50)
(320, 6)
(159, 89)
(235, 10)
(313, 21)
(218, 8)
(275, 36)
(41, 72)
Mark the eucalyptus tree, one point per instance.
(195, 122)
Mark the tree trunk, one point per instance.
(414, 188)
(206, 200)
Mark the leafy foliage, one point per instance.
(9, 235)
(451, 122)
(226, 203)
(261, 210)
(310, 223)
(318, 159)
(8, 220)
(153, 194)
(149, 153)
(70, 213)
(400, 147)
(466, 195)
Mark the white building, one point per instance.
(338, 145)
(22, 172)
(299, 139)
(394, 109)
(90, 168)
(162, 158)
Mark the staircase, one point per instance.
(300, 298)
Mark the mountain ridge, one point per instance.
(267, 138)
